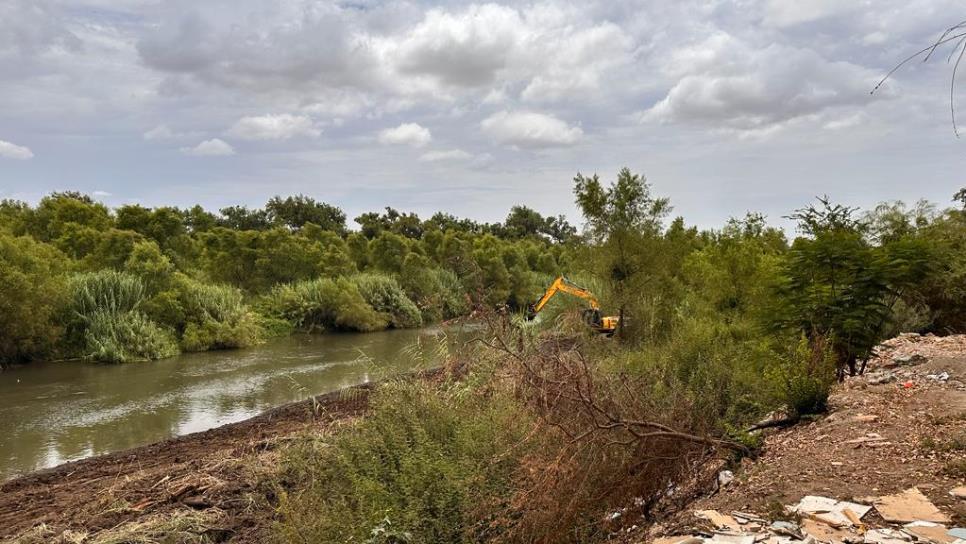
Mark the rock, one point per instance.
(905, 360)
(725, 477)
(958, 492)
(910, 505)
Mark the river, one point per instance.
(53, 412)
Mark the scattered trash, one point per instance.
(932, 532)
(830, 511)
(787, 528)
(725, 477)
(886, 536)
(908, 385)
(904, 360)
(733, 539)
(823, 532)
(865, 418)
(910, 505)
(958, 492)
(941, 377)
(719, 520)
(880, 378)
(958, 533)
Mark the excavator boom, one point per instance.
(592, 315)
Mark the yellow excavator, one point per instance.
(592, 316)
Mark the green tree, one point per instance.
(295, 211)
(840, 288)
(620, 220)
(32, 291)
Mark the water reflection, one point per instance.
(56, 412)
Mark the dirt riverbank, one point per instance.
(204, 485)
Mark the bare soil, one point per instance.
(877, 439)
(212, 476)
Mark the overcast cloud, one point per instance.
(726, 106)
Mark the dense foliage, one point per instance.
(546, 431)
(135, 283)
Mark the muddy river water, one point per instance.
(55, 412)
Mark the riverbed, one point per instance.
(54, 412)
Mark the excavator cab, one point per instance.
(592, 316)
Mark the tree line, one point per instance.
(78, 279)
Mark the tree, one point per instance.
(294, 212)
(960, 197)
(620, 219)
(32, 291)
(839, 288)
(241, 218)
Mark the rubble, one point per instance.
(908, 506)
(958, 492)
(831, 521)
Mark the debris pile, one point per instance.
(904, 518)
(903, 360)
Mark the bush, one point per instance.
(126, 337)
(324, 303)
(385, 295)
(217, 318)
(107, 324)
(425, 465)
(803, 376)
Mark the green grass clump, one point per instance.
(106, 321)
(126, 337)
(421, 467)
(384, 294)
(323, 304)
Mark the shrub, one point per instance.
(384, 294)
(426, 465)
(324, 303)
(125, 337)
(217, 318)
(803, 376)
(107, 324)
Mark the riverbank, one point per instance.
(901, 425)
(205, 483)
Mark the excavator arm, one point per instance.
(561, 284)
(592, 315)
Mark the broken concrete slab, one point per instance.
(686, 539)
(830, 511)
(886, 536)
(786, 528)
(935, 533)
(732, 539)
(824, 532)
(910, 505)
(958, 492)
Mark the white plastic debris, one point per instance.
(725, 477)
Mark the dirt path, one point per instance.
(901, 425)
(205, 484)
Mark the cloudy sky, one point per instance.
(726, 106)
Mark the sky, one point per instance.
(470, 108)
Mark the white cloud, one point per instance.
(14, 151)
(462, 49)
(407, 133)
(274, 127)
(530, 130)
(101, 193)
(725, 82)
(445, 155)
(209, 148)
